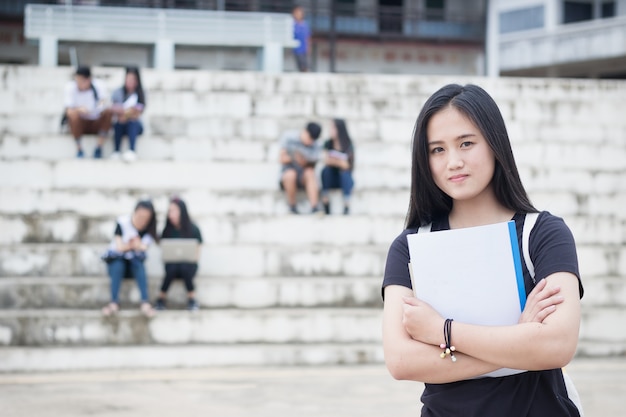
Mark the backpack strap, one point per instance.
(529, 223)
(95, 92)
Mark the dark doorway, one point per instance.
(390, 14)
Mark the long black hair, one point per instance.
(186, 225)
(151, 227)
(427, 201)
(141, 97)
(344, 139)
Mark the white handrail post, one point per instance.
(164, 54)
(48, 51)
(272, 50)
(164, 48)
(48, 44)
(272, 58)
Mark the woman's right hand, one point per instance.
(541, 302)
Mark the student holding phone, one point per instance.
(129, 102)
(339, 161)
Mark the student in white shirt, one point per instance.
(127, 252)
(85, 110)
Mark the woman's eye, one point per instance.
(466, 144)
(436, 150)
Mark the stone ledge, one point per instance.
(25, 359)
(237, 260)
(231, 326)
(210, 292)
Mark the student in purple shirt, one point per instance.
(301, 33)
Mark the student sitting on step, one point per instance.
(129, 102)
(85, 111)
(180, 226)
(339, 159)
(298, 155)
(127, 252)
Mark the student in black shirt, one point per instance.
(463, 175)
(179, 225)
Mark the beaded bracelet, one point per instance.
(447, 347)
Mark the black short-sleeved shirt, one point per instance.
(174, 233)
(529, 394)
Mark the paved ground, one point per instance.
(347, 391)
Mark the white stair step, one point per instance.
(50, 359)
(150, 175)
(231, 326)
(236, 260)
(210, 292)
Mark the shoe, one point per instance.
(110, 309)
(97, 154)
(346, 210)
(116, 156)
(326, 208)
(129, 156)
(293, 210)
(160, 304)
(192, 305)
(147, 310)
(317, 211)
(80, 154)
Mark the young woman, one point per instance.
(127, 252)
(179, 225)
(129, 102)
(464, 175)
(339, 161)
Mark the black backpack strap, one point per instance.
(95, 92)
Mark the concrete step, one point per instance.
(54, 147)
(310, 326)
(152, 175)
(312, 229)
(218, 326)
(240, 260)
(211, 292)
(91, 358)
(16, 202)
(238, 292)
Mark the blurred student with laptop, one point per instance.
(180, 250)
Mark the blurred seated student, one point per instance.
(129, 102)
(180, 226)
(299, 153)
(85, 111)
(339, 160)
(127, 252)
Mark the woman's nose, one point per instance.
(455, 160)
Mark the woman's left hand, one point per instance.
(421, 321)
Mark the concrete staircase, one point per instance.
(273, 288)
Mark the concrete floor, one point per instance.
(341, 391)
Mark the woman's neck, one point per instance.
(478, 212)
(337, 144)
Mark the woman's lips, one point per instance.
(458, 178)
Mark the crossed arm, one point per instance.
(545, 337)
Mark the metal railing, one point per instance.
(350, 19)
(146, 25)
